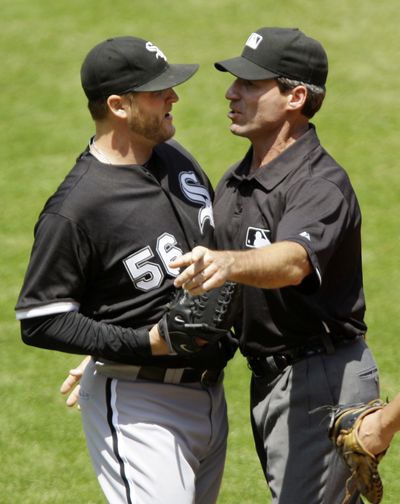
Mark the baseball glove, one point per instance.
(188, 318)
(363, 465)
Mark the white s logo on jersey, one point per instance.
(194, 191)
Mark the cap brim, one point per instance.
(173, 76)
(244, 69)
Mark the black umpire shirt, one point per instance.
(302, 196)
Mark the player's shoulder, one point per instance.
(173, 149)
(178, 158)
(76, 187)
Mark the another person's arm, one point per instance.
(378, 428)
(278, 265)
(71, 384)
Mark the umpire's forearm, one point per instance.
(281, 264)
(72, 332)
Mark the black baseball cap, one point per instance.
(123, 64)
(279, 52)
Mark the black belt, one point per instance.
(206, 377)
(270, 366)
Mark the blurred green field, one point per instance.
(44, 125)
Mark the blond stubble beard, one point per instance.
(149, 127)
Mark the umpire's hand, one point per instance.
(205, 269)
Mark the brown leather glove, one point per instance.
(363, 465)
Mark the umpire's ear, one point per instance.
(296, 97)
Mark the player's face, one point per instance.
(257, 108)
(150, 115)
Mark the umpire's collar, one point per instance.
(271, 174)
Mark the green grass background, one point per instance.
(44, 125)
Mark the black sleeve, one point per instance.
(74, 333)
(316, 217)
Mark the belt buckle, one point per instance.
(282, 361)
(269, 366)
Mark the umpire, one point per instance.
(289, 223)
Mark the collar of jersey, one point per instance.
(271, 174)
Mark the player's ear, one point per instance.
(297, 97)
(117, 106)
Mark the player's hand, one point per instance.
(71, 383)
(205, 269)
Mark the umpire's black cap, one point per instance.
(123, 64)
(279, 52)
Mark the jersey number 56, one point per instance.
(147, 275)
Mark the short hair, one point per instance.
(99, 108)
(315, 94)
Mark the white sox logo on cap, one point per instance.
(153, 48)
(254, 40)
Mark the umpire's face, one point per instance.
(149, 115)
(257, 108)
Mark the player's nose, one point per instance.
(172, 96)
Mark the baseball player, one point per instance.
(99, 278)
(289, 221)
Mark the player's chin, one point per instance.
(168, 131)
(163, 135)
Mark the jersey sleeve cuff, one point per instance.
(311, 283)
(49, 309)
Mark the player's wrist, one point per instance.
(158, 343)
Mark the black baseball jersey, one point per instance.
(303, 196)
(102, 248)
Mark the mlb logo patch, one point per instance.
(257, 237)
(254, 40)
